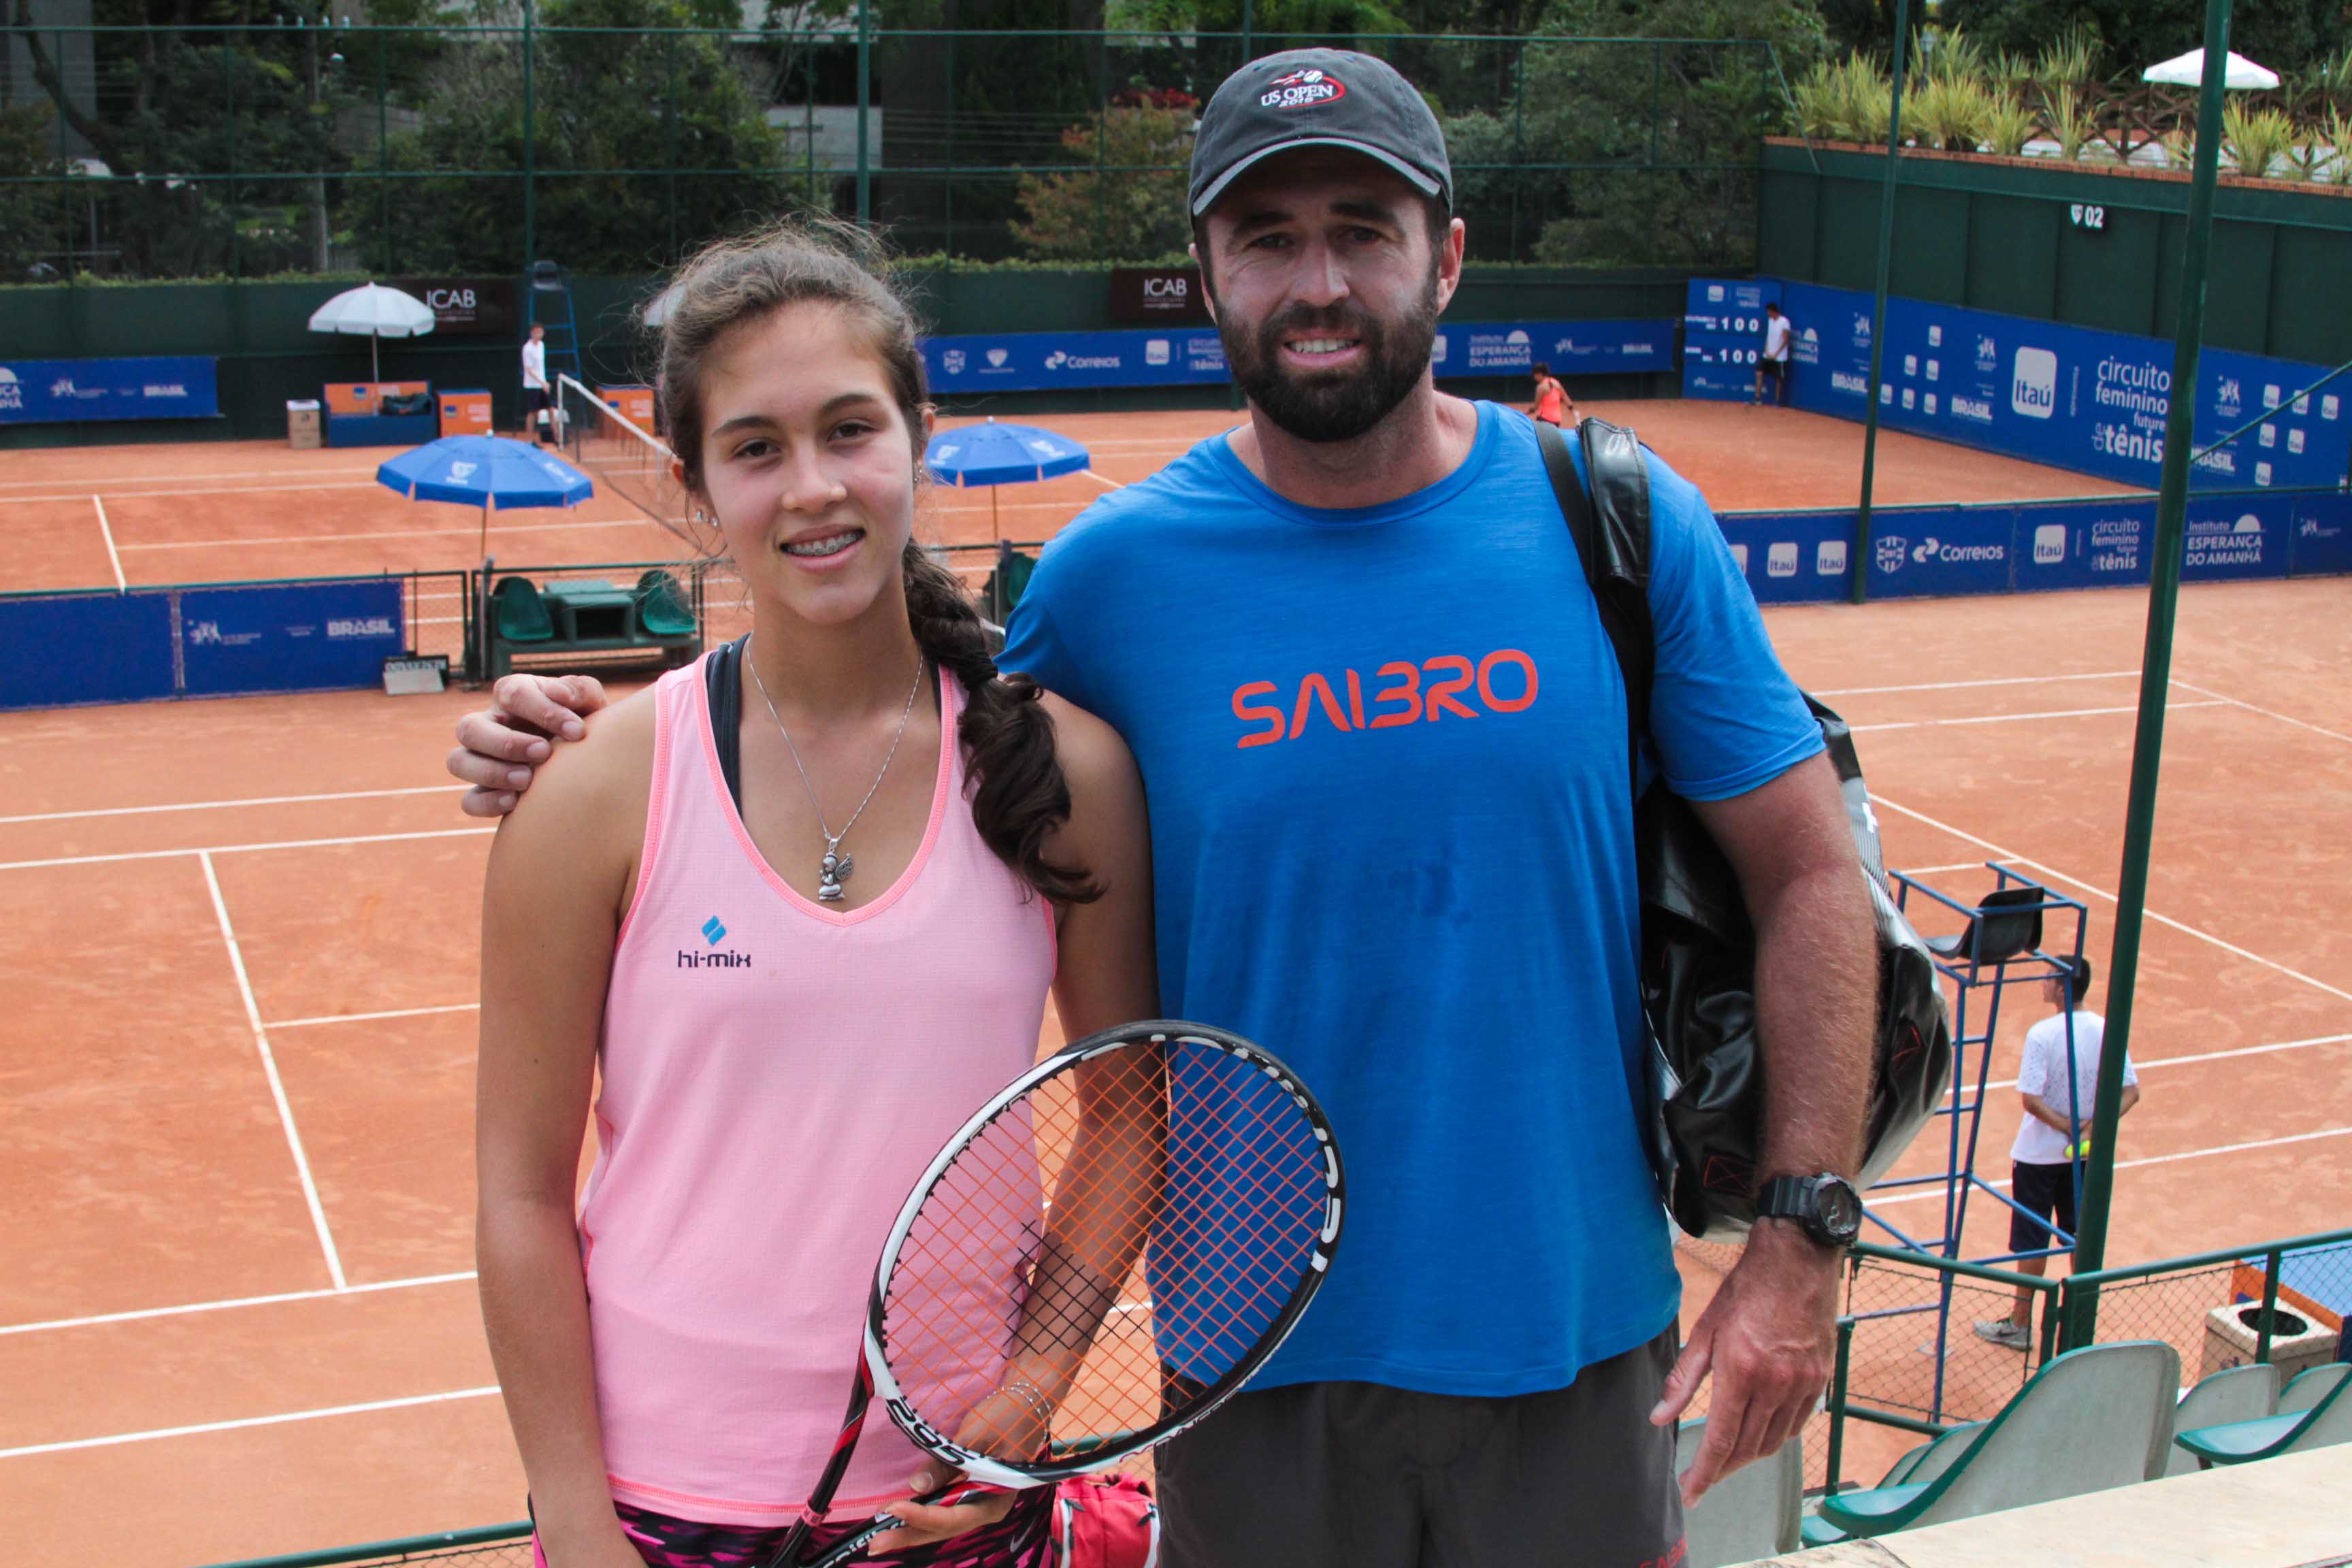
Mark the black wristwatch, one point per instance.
(1826, 1205)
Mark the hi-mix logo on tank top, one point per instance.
(713, 932)
(1396, 693)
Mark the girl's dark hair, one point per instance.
(1018, 793)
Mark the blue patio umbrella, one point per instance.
(485, 471)
(991, 454)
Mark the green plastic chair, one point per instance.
(1918, 1466)
(2234, 1393)
(2089, 1420)
(2240, 1442)
(1007, 583)
(2308, 1387)
(1755, 1511)
(662, 609)
(520, 614)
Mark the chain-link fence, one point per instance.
(251, 151)
(1911, 1356)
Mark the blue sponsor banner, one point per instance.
(87, 648)
(2237, 536)
(1183, 356)
(1794, 557)
(1570, 348)
(2101, 543)
(2068, 396)
(298, 636)
(1723, 336)
(1922, 551)
(49, 391)
(2323, 536)
(1030, 361)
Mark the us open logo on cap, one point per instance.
(1302, 89)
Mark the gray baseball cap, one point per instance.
(1317, 97)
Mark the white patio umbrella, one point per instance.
(375, 312)
(2188, 71)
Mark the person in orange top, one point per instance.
(1553, 405)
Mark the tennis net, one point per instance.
(620, 455)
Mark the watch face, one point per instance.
(1840, 1209)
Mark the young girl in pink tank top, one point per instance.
(789, 916)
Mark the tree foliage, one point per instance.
(1665, 132)
(674, 111)
(1124, 215)
(2286, 34)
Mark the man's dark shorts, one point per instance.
(2046, 1190)
(1357, 1475)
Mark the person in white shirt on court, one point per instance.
(2046, 1162)
(535, 401)
(1774, 365)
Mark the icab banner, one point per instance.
(2068, 396)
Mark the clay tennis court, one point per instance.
(238, 1316)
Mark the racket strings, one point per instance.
(1103, 1252)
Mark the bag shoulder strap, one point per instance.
(1610, 525)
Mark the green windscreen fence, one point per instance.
(247, 152)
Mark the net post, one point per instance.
(2156, 668)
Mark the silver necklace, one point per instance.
(834, 868)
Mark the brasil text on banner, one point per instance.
(54, 391)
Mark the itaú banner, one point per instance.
(2074, 398)
(52, 391)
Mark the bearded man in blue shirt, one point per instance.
(1382, 733)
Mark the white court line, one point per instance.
(174, 478)
(2231, 1055)
(1103, 480)
(1940, 870)
(1962, 685)
(227, 805)
(371, 1017)
(196, 490)
(2014, 718)
(469, 531)
(137, 1314)
(241, 848)
(106, 530)
(371, 1405)
(2266, 713)
(269, 1069)
(1938, 1193)
(2099, 892)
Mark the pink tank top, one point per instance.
(775, 1078)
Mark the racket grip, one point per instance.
(948, 1496)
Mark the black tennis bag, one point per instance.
(1702, 1105)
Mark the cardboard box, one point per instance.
(302, 429)
(465, 412)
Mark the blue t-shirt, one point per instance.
(1392, 833)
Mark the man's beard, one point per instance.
(1333, 405)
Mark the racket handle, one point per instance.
(948, 1496)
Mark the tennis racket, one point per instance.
(1104, 1254)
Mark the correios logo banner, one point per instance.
(2095, 402)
